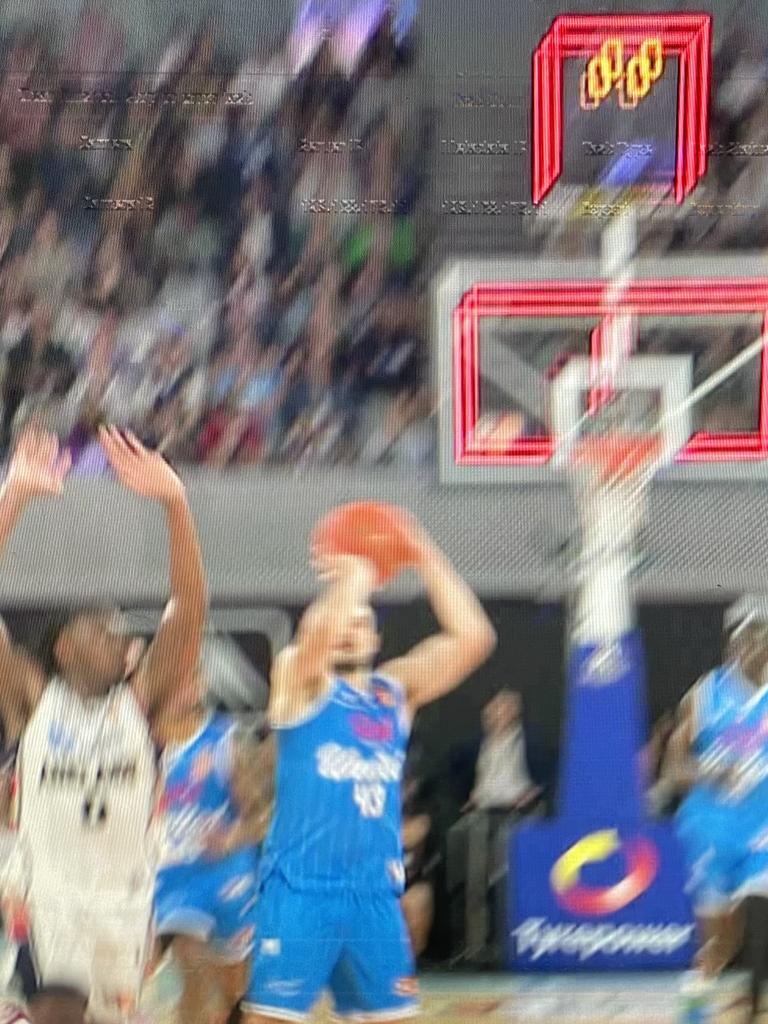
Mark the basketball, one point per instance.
(369, 529)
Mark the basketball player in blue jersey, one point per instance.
(703, 768)
(86, 768)
(216, 801)
(329, 915)
(720, 755)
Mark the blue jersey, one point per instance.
(337, 813)
(197, 797)
(717, 700)
(746, 741)
(724, 824)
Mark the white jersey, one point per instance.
(87, 790)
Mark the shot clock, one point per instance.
(622, 82)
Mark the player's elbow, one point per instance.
(6, 643)
(484, 640)
(475, 647)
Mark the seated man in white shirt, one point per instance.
(502, 778)
(503, 792)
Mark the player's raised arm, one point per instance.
(175, 651)
(300, 669)
(38, 469)
(467, 638)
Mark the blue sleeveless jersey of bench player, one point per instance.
(337, 817)
(196, 895)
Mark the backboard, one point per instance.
(648, 391)
(508, 328)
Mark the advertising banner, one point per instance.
(600, 886)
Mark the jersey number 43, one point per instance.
(370, 797)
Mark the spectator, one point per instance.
(477, 844)
(502, 778)
(32, 365)
(88, 458)
(50, 261)
(407, 435)
(98, 48)
(229, 245)
(23, 125)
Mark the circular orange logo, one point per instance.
(642, 862)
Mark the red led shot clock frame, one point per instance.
(685, 36)
(672, 297)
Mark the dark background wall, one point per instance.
(681, 642)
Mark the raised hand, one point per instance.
(332, 568)
(142, 471)
(38, 466)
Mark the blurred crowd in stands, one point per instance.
(265, 302)
(228, 318)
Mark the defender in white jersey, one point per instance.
(86, 768)
(15, 707)
(87, 788)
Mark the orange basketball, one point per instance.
(369, 529)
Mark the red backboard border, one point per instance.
(674, 297)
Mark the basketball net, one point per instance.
(614, 450)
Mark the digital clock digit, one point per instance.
(632, 79)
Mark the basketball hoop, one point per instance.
(617, 459)
(612, 473)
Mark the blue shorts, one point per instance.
(213, 901)
(355, 945)
(726, 854)
(753, 875)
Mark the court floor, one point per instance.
(563, 999)
(497, 999)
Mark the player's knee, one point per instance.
(421, 899)
(233, 981)
(58, 1008)
(189, 954)
(417, 904)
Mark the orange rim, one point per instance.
(617, 455)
